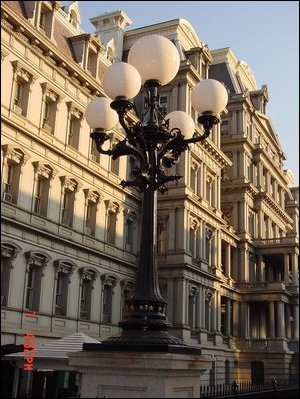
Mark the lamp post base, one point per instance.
(143, 341)
(139, 374)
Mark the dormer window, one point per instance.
(92, 63)
(42, 20)
(45, 19)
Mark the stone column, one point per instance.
(271, 320)
(286, 268)
(259, 174)
(228, 260)
(199, 299)
(262, 323)
(295, 333)
(235, 222)
(228, 317)
(244, 319)
(179, 305)
(280, 319)
(294, 259)
(203, 315)
(214, 312)
(261, 269)
(235, 264)
(235, 164)
(288, 321)
(235, 315)
(170, 296)
(218, 311)
(260, 223)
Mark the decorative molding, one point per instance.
(38, 259)
(66, 267)
(109, 280)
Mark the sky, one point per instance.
(264, 34)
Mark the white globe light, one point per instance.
(121, 79)
(182, 121)
(155, 57)
(209, 95)
(99, 114)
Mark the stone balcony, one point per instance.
(261, 286)
(257, 344)
(275, 242)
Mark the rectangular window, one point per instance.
(161, 238)
(193, 178)
(33, 288)
(5, 278)
(68, 206)
(42, 20)
(115, 166)
(107, 303)
(129, 234)
(49, 116)
(90, 221)
(74, 130)
(92, 63)
(85, 299)
(111, 228)
(95, 154)
(61, 294)
(11, 181)
(21, 97)
(41, 197)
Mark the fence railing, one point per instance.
(236, 387)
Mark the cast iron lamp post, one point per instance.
(156, 142)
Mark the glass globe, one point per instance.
(182, 121)
(99, 114)
(121, 79)
(155, 57)
(209, 95)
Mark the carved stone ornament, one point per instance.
(36, 259)
(65, 267)
(208, 295)
(10, 252)
(88, 274)
(112, 206)
(109, 280)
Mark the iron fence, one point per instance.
(236, 388)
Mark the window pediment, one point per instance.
(109, 280)
(24, 72)
(44, 170)
(70, 183)
(38, 259)
(15, 154)
(92, 195)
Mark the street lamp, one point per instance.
(156, 142)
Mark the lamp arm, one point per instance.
(125, 148)
(176, 145)
(197, 138)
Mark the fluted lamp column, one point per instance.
(156, 142)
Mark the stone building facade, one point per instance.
(228, 237)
